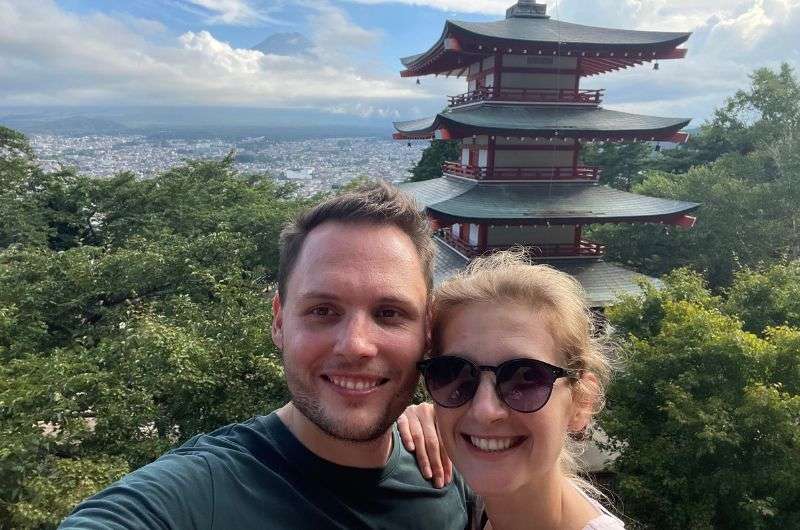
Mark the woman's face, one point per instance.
(489, 334)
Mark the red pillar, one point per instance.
(575, 155)
(498, 66)
(490, 157)
(483, 235)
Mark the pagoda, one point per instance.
(521, 125)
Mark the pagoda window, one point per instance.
(499, 236)
(455, 230)
(488, 62)
(483, 157)
(465, 156)
(537, 80)
(473, 234)
(533, 158)
(528, 61)
(474, 68)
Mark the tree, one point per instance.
(749, 193)
(622, 165)
(704, 415)
(766, 298)
(436, 154)
(133, 315)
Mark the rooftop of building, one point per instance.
(461, 200)
(528, 29)
(534, 120)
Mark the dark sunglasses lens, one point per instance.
(525, 386)
(451, 381)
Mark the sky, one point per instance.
(197, 53)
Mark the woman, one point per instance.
(516, 376)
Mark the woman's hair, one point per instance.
(508, 276)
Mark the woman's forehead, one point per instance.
(491, 333)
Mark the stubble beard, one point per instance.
(308, 402)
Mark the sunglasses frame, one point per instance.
(555, 371)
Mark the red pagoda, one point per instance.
(521, 125)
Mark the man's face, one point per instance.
(352, 327)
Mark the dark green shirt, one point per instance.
(258, 475)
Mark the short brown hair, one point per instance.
(377, 203)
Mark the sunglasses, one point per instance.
(524, 385)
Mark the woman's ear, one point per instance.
(584, 401)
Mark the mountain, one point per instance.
(293, 44)
(69, 125)
(190, 122)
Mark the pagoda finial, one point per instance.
(527, 9)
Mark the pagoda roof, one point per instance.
(457, 200)
(608, 49)
(602, 282)
(532, 120)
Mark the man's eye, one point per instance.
(388, 313)
(322, 311)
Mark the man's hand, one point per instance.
(418, 432)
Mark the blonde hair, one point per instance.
(508, 276)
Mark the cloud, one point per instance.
(486, 7)
(51, 56)
(231, 12)
(727, 44)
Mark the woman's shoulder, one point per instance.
(604, 522)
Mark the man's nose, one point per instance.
(486, 406)
(355, 337)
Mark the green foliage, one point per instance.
(430, 165)
(622, 165)
(748, 192)
(768, 298)
(133, 315)
(705, 416)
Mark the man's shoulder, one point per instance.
(236, 438)
(177, 489)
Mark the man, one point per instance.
(350, 318)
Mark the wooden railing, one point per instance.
(587, 173)
(529, 95)
(583, 249)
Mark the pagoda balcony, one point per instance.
(583, 249)
(528, 173)
(528, 95)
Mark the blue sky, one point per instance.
(196, 52)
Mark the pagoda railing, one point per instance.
(544, 173)
(583, 249)
(528, 95)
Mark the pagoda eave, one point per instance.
(592, 123)
(451, 200)
(602, 282)
(680, 220)
(601, 49)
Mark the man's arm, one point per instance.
(174, 492)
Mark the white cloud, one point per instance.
(486, 7)
(51, 56)
(233, 12)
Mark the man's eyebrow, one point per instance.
(317, 295)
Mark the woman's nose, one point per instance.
(486, 406)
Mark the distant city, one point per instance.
(317, 164)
